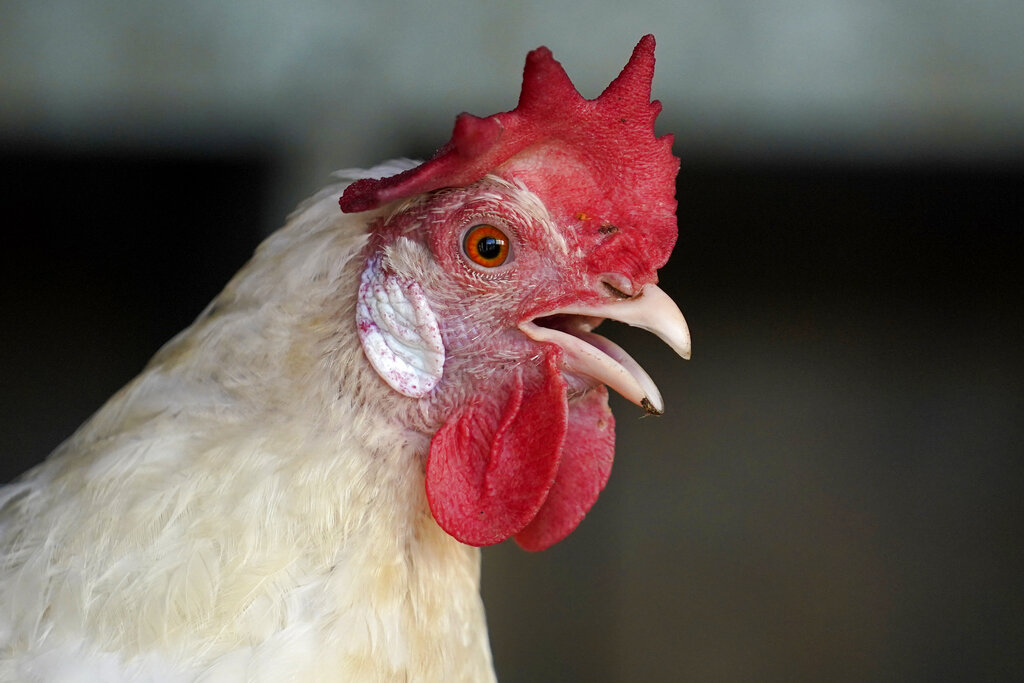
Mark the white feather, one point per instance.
(236, 512)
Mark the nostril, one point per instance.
(615, 292)
(619, 286)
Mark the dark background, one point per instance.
(833, 494)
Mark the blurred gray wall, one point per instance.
(349, 83)
(835, 492)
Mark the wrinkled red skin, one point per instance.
(598, 159)
(524, 459)
(492, 465)
(531, 467)
(586, 464)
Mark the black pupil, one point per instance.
(489, 247)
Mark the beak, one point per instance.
(595, 356)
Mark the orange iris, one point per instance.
(485, 245)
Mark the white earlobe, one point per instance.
(398, 331)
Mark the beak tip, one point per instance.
(650, 408)
(681, 345)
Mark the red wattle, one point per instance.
(584, 470)
(491, 466)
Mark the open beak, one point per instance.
(592, 355)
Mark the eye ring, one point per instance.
(485, 245)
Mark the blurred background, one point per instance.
(835, 492)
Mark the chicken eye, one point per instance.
(486, 245)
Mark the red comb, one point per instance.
(621, 173)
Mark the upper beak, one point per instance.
(595, 356)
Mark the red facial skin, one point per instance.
(524, 448)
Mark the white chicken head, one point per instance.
(482, 285)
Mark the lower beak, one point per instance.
(594, 356)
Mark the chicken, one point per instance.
(296, 486)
